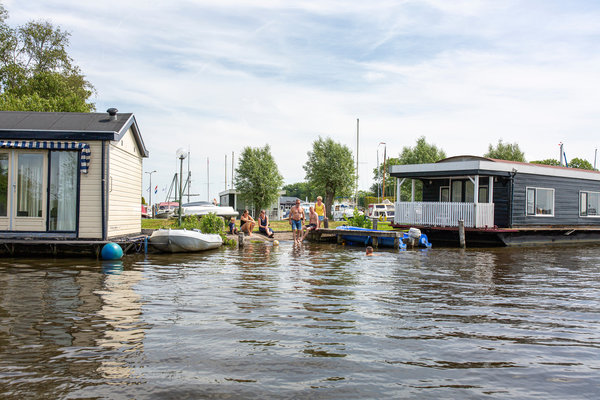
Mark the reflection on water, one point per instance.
(317, 321)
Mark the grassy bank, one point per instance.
(277, 226)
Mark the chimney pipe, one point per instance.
(112, 113)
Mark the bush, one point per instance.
(362, 221)
(190, 222)
(211, 223)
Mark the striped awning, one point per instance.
(86, 153)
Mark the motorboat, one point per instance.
(201, 208)
(412, 236)
(166, 209)
(183, 240)
(383, 211)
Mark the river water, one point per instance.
(316, 321)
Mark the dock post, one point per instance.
(340, 240)
(241, 239)
(461, 233)
(375, 241)
(396, 241)
(374, 224)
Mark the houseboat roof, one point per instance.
(30, 125)
(473, 165)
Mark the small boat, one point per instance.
(413, 234)
(166, 209)
(342, 211)
(201, 208)
(182, 240)
(383, 211)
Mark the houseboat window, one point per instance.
(483, 194)
(469, 192)
(540, 201)
(457, 191)
(445, 193)
(29, 185)
(589, 204)
(63, 190)
(3, 184)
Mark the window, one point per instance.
(457, 191)
(483, 194)
(3, 184)
(445, 193)
(29, 185)
(589, 204)
(540, 202)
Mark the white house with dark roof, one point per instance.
(70, 175)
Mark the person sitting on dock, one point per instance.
(247, 223)
(232, 228)
(263, 224)
(313, 220)
(296, 219)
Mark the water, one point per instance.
(320, 321)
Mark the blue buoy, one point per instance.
(111, 251)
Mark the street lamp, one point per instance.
(181, 154)
(150, 190)
(379, 192)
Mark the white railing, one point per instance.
(478, 215)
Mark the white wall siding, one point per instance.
(124, 187)
(90, 196)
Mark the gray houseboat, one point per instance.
(501, 202)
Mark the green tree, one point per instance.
(547, 161)
(330, 170)
(505, 151)
(36, 71)
(301, 190)
(257, 177)
(421, 153)
(580, 163)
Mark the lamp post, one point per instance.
(378, 173)
(181, 154)
(150, 196)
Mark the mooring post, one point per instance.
(461, 233)
(375, 241)
(374, 224)
(397, 241)
(241, 239)
(340, 240)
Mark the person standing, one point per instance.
(296, 220)
(320, 210)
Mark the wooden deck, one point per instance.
(330, 235)
(67, 248)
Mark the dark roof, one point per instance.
(30, 125)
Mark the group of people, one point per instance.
(316, 215)
(247, 224)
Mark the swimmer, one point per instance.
(369, 251)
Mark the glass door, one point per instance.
(62, 204)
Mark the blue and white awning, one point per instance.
(86, 153)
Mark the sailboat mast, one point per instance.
(356, 190)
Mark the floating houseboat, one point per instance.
(70, 175)
(500, 202)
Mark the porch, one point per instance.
(446, 214)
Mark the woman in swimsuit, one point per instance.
(247, 223)
(263, 224)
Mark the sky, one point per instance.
(214, 77)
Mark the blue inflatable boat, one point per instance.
(361, 240)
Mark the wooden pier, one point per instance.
(335, 235)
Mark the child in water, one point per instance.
(369, 251)
(232, 229)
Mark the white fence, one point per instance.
(475, 215)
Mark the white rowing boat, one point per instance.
(182, 240)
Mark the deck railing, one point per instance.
(474, 215)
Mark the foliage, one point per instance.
(421, 153)
(257, 177)
(547, 161)
(330, 170)
(36, 72)
(505, 151)
(157, 223)
(581, 164)
(301, 190)
(143, 200)
(189, 222)
(211, 223)
(358, 219)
